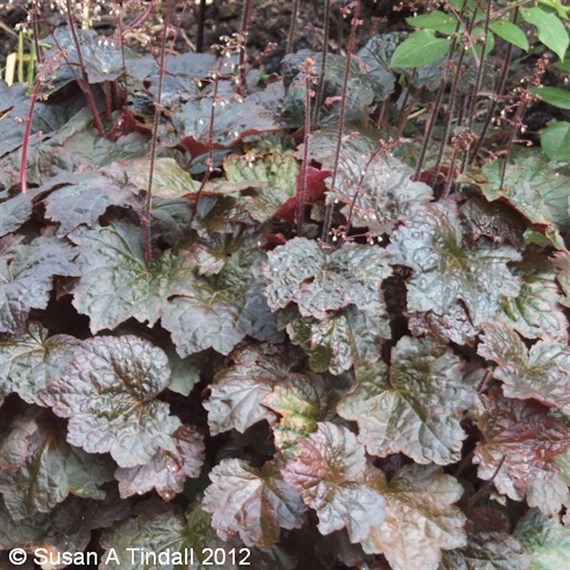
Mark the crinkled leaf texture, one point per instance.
(420, 519)
(531, 186)
(157, 529)
(415, 407)
(541, 372)
(108, 392)
(66, 528)
(319, 281)
(26, 273)
(167, 471)
(487, 551)
(545, 539)
(301, 402)
(218, 311)
(254, 503)
(236, 118)
(329, 469)
(84, 197)
(116, 282)
(39, 468)
(521, 441)
(237, 394)
(446, 270)
(341, 340)
(28, 362)
(376, 188)
(537, 311)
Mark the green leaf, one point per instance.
(524, 439)
(415, 407)
(329, 469)
(47, 467)
(530, 186)
(157, 530)
(254, 503)
(555, 141)
(379, 190)
(437, 20)
(487, 551)
(109, 395)
(446, 270)
(510, 32)
(535, 312)
(85, 196)
(169, 179)
(420, 519)
(551, 31)
(116, 283)
(541, 372)
(219, 311)
(272, 178)
(301, 402)
(236, 118)
(238, 391)
(339, 341)
(26, 274)
(167, 471)
(455, 325)
(545, 539)
(421, 48)
(28, 362)
(319, 281)
(66, 528)
(556, 96)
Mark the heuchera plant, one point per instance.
(294, 331)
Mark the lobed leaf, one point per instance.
(109, 395)
(168, 469)
(84, 197)
(541, 372)
(116, 282)
(524, 440)
(545, 539)
(531, 186)
(254, 503)
(487, 551)
(155, 531)
(30, 361)
(415, 407)
(219, 311)
(340, 340)
(378, 190)
(237, 394)
(47, 469)
(446, 270)
(319, 281)
(420, 520)
(329, 469)
(301, 402)
(536, 312)
(26, 274)
(66, 528)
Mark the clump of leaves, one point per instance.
(184, 364)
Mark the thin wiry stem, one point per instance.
(342, 116)
(321, 83)
(146, 217)
(292, 27)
